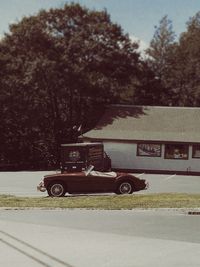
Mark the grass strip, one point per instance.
(108, 202)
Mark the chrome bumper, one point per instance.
(146, 185)
(41, 187)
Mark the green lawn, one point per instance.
(112, 202)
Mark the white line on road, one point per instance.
(170, 177)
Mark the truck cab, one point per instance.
(78, 156)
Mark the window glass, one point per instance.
(196, 151)
(176, 151)
(149, 150)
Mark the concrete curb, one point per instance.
(189, 211)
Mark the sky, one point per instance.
(136, 17)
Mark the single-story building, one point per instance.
(150, 139)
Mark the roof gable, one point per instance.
(142, 123)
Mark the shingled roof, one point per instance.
(148, 123)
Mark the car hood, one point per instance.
(65, 174)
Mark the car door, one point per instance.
(84, 184)
(77, 183)
(81, 183)
(100, 183)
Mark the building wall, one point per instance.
(124, 156)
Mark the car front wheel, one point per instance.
(125, 188)
(56, 190)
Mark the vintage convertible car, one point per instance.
(89, 181)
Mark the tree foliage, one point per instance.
(185, 76)
(159, 59)
(176, 63)
(159, 47)
(60, 67)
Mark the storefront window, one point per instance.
(196, 151)
(176, 151)
(149, 150)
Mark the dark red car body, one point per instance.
(91, 182)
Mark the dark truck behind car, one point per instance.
(78, 156)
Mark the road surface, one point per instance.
(80, 238)
(83, 238)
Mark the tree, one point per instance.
(186, 76)
(159, 47)
(148, 90)
(182, 78)
(63, 65)
(160, 60)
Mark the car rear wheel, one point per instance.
(56, 190)
(125, 187)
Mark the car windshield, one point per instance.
(103, 174)
(88, 170)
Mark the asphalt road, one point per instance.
(83, 238)
(89, 238)
(24, 183)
